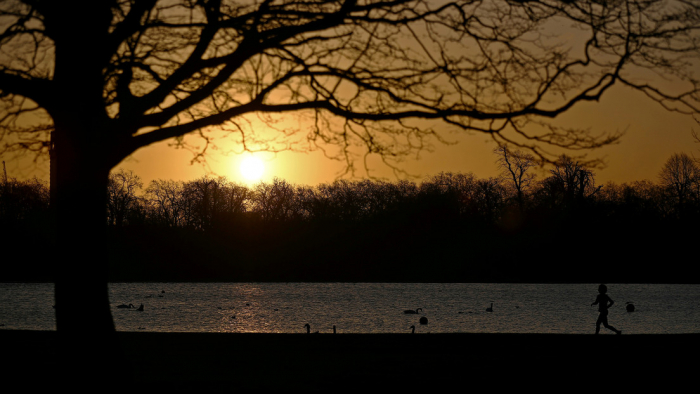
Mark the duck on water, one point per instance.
(131, 306)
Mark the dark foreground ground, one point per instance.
(198, 363)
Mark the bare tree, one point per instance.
(209, 202)
(121, 195)
(681, 177)
(448, 194)
(341, 200)
(515, 168)
(490, 196)
(577, 182)
(22, 199)
(165, 202)
(90, 83)
(276, 201)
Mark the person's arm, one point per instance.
(611, 302)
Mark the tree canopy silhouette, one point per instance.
(90, 83)
(680, 175)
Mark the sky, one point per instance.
(652, 135)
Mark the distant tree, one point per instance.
(574, 180)
(448, 195)
(612, 196)
(209, 203)
(389, 198)
(235, 202)
(165, 202)
(199, 198)
(647, 196)
(377, 197)
(20, 200)
(633, 203)
(516, 169)
(91, 83)
(307, 202)
(490, 197)
(275, 201)
(680, 175)
(121, 196)
(341, 200)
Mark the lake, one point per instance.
(370, 307)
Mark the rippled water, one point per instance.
(370, 307)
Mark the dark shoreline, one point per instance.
(205, 362)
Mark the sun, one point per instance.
(252, 168)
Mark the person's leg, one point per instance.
(608, 326)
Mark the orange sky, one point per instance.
(653, 135)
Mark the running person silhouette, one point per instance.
(604, 302)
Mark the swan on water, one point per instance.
(413, 329)
(126, 306)
(490, 309)
(412, 312)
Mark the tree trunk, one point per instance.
(89, 349)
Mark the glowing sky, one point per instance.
(653, 134)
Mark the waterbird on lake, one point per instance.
(412, 312)
(126, 306)
(413, 329)
(490, 309)
(308, 329)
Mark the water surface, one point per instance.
(370, 307)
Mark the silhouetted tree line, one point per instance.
(24, 226)
(562, 227)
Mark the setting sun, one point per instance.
(252, 168)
